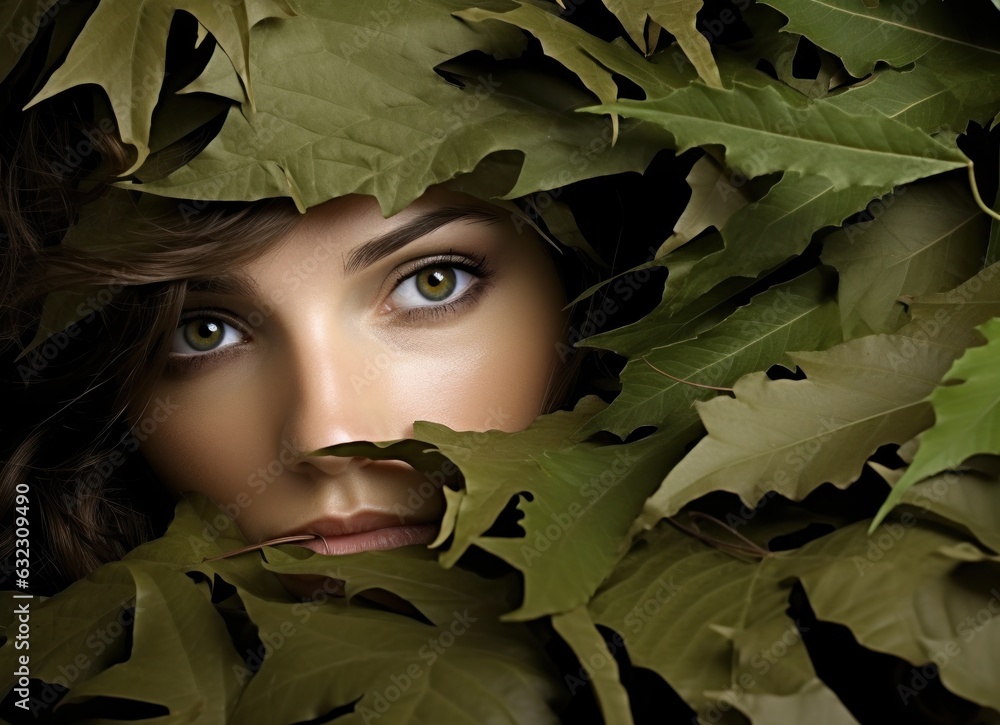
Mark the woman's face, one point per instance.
(350, 329)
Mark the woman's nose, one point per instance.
(329, 399)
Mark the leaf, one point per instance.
(411, 572)
(791, 436)
(764, 234)
(895, 31)
(219, 78)
(872, 388)
(579, 518)
(797, 316)
(710, 624)
(913, 590)
(946, 89)
(394, 126)
(780, 49)
(763, 133)
(122, 49)
(661, 324)
(968, 499)
(200, 530)
(968, 305)
(176, 630)
(578, 500)
(923, 239)
(814, 702)
(677, 17)
(713, 201)
(592, 60)
(393, 668)
(322, 652)
(967, 416)
(579, 632)
(485, 458)
(81, 621)
(20, 22)
(561, 41)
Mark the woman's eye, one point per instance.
(431, 285)
(204, 334)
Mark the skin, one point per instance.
(321, 357)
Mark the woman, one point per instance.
(284, 229)
(246, 336)
(304, 331)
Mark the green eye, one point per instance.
(203, 334)
(436, 283)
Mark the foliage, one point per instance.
(827, 326)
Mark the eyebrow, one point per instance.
(385, 244)
(234, 284)
(240, 285)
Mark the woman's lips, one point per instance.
(366, 532)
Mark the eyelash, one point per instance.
(178, 362)
(475, 264)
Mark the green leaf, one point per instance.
(486, 458)
(177, 630)
(791, 436)
(797, 316)
(412, 573)
(579, 632)
(219, 79)
(967, 499)
(925, 238)
(560, 40)
(967, 416)
(944, 91)
(814, 703)
(914, 590)
(661, 324)
(993, 250)
(393, 127)
(83, 620)
(968, 305)
(578, 500)
(713, 201)
(764, 234)
(310, 656)
(677, 17)
(780, 49)
(592, 60)
(763, 133)
(20, 22)
(871, 391)
(325, 656)
(712, 625)
(122, 49)
(895, 31)
(578, 521)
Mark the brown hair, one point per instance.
(84, 484)
(70, 408)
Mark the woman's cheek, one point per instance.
(204, 445)
(492, 377)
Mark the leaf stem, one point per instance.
(681, 380)
(269, 542)
(976, 196)
(695, 531)
(752, 545)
